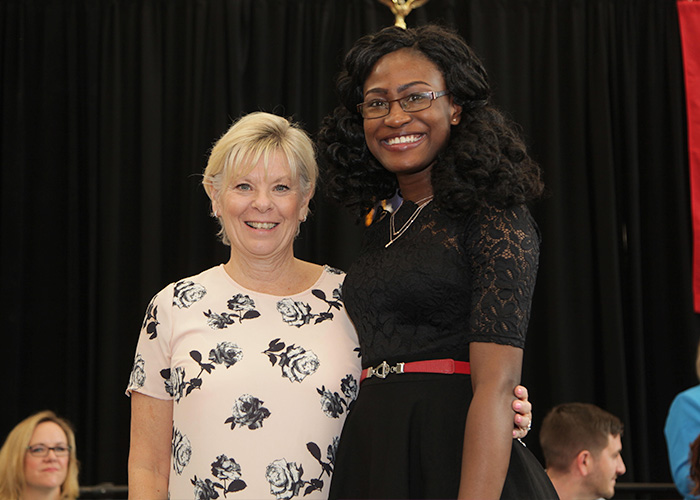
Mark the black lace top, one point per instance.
(443, 284)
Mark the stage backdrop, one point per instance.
(108, 109)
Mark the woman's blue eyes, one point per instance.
(248, 187)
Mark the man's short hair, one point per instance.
(570, 428)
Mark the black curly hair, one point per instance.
(485, 162)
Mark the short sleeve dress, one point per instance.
(260, 384)
(439, 286)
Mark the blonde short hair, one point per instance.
(12, 480)
(255, 136)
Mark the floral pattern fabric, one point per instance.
(260, 384)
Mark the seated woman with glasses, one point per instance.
(38, 460)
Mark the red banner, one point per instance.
(689, 19)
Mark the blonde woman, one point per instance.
(38, 460)
(245, 372)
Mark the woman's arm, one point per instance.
(495, 370)
(149, 450)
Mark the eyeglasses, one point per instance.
(417, 101)
(39, 450)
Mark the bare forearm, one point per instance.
(488, 431)
(149, 451)
(147, 484)
(487, 447)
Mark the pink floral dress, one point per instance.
(260, 384)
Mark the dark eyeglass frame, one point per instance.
(403, 102)
(59, 451)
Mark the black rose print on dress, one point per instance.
(224, 469)
(332, 403)
(332, 450)
(350, 388)
(181, 450)
(150, 320)
(204, 489)
(295, 361)
(138, 373)
(284, 478)
(187, 293)
(226, 353)
(242, 307)
(298, 314)
(326, 467)
(294, 313)
(248, 411)
(174, 382)
(227, 469)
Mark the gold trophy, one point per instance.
(402, 8)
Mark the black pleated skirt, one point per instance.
(404, 438)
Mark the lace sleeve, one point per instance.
(503, 246)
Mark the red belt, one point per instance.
(444, 366)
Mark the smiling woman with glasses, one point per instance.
(38, 459)
(442, 287)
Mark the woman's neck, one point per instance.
(273, 276)
(41, 493)
(415, 192)
(418, 196)
(417, 185)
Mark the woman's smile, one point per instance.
(401, 140)
(262, 225)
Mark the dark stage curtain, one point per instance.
(108, 109)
